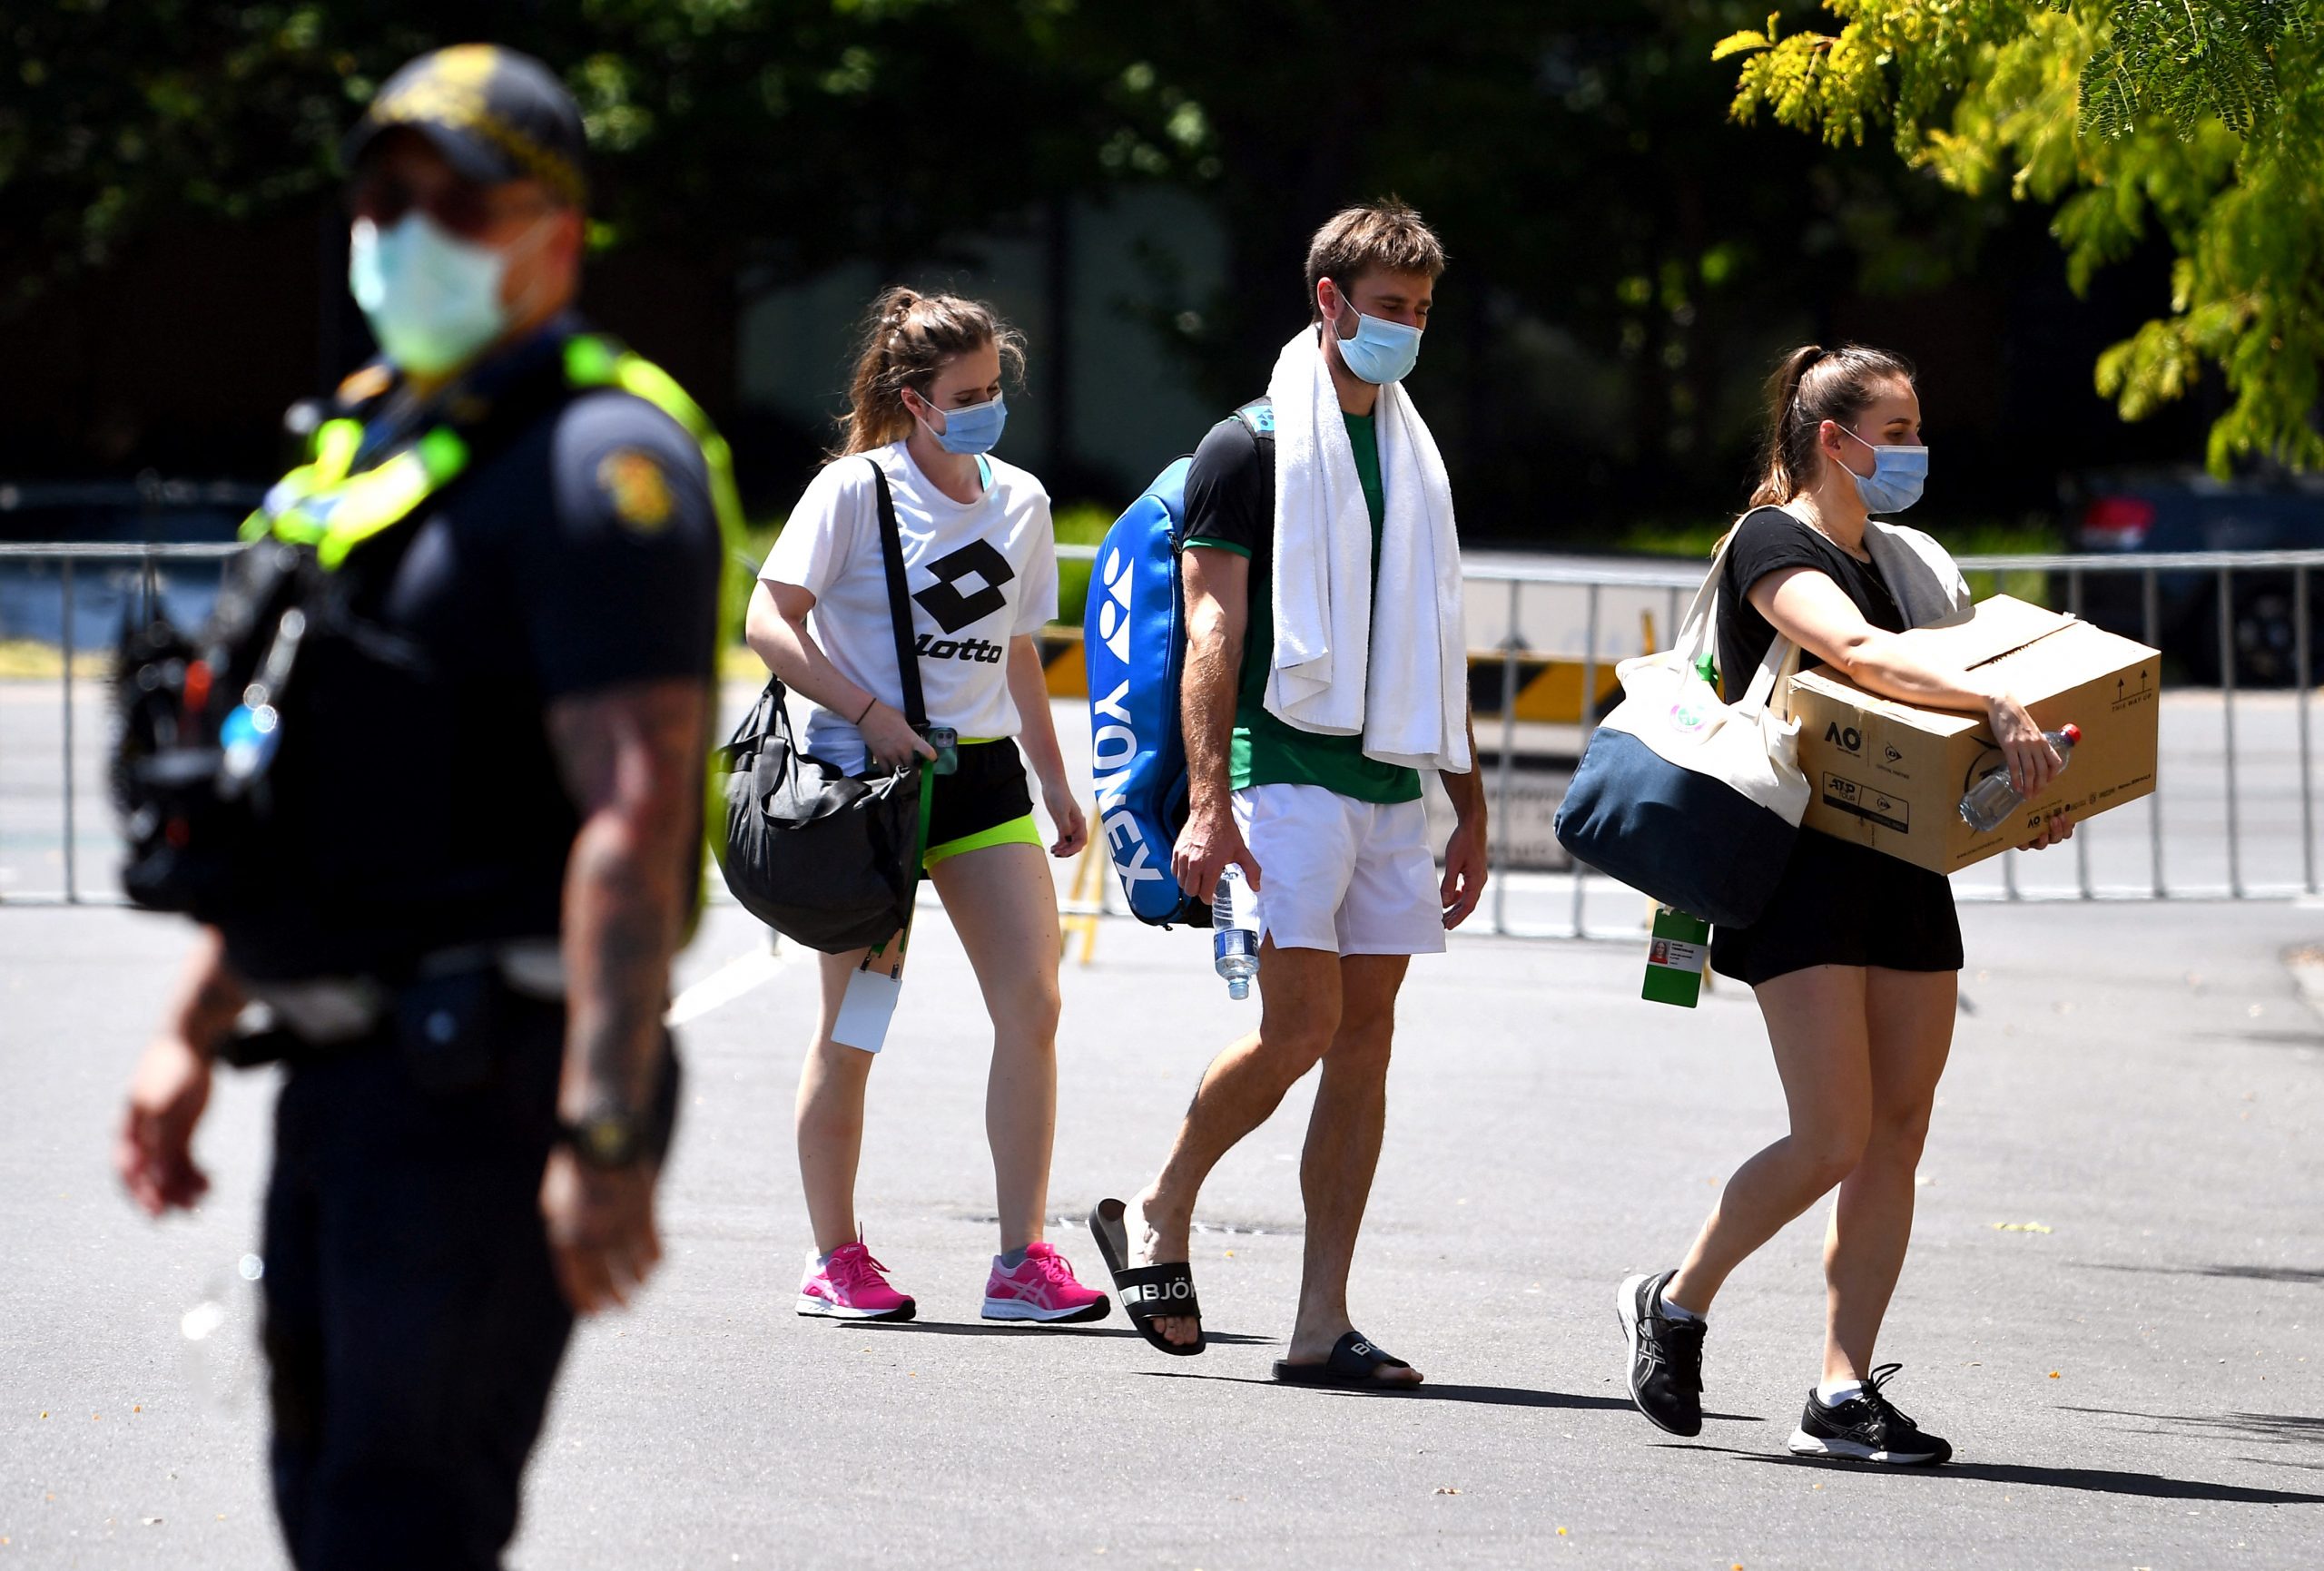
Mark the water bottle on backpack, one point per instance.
(1993, 798)
(1235, 932)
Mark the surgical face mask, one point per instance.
(1896, 479)
(433, 300)
(975, 428)
(1381, 351)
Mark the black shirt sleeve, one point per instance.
(1228, 503)
(1769, 541)
(623, 586)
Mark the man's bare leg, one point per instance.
(1299, 993)
(1343, 1152)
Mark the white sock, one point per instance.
(1832, 1393)
(1674, 1311)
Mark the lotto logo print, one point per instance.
(981, 651)
(976, 565)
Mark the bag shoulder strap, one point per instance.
(1698, 633)
(1699, 627)
(891, 553)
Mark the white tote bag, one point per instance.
(1684, 797)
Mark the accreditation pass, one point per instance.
(1674, 958)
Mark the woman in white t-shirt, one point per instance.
(981, 566)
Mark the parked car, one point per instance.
(2187, 510)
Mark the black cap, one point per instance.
(496, 115)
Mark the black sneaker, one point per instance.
(1666, 1356)
(1868, 1428)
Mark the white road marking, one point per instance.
(729, 982)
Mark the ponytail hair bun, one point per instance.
(906, 339)
(1810, 386)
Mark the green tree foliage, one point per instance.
(1625, 266)
(1626, 263)
(2202, 120)
(789, 133)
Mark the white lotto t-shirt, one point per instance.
(978, 572)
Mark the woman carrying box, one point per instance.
(1855, 963)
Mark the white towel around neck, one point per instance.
(1391, 668)
(1921, 574)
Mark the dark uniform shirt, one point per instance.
(416, 788)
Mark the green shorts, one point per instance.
(984, 802)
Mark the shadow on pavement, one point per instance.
(2283, 1429)
(1491, 1396)
(2301, 1275)
(2093, 1480)
(1031, 1329)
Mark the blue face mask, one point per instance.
(1381, 351)
(1896, 479)
(974, 429)
(433, 300)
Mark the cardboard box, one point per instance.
(1891, 776)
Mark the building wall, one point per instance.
(1105, 404)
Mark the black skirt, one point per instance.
(1842, 904)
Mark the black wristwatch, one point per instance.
(608, 1137)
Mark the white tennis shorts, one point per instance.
(1348, 877)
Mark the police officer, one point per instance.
(482, 843)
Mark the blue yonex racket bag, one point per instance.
(1134, 641)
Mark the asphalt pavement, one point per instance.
(2112, 1306)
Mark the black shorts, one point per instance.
(984, 802)
(1843, 904)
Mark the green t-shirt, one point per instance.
(1230, 504)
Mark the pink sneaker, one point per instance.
(852, 1286)
(1042, 1287)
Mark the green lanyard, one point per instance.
(320, 504)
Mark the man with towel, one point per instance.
(1325, 669)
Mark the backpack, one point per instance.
(1134, 646)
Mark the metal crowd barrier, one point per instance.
(148, 569)
(144, 564)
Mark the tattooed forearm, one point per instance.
(621, 924)
(633, 759)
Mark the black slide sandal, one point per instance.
(1353, 1366)
(1148, 1292)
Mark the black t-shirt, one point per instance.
(1230, 504)
(420, 799)
(1767, 541)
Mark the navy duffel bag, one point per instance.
(1690, 800)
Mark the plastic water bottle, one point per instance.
(1234, 933)
(1993, 798)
